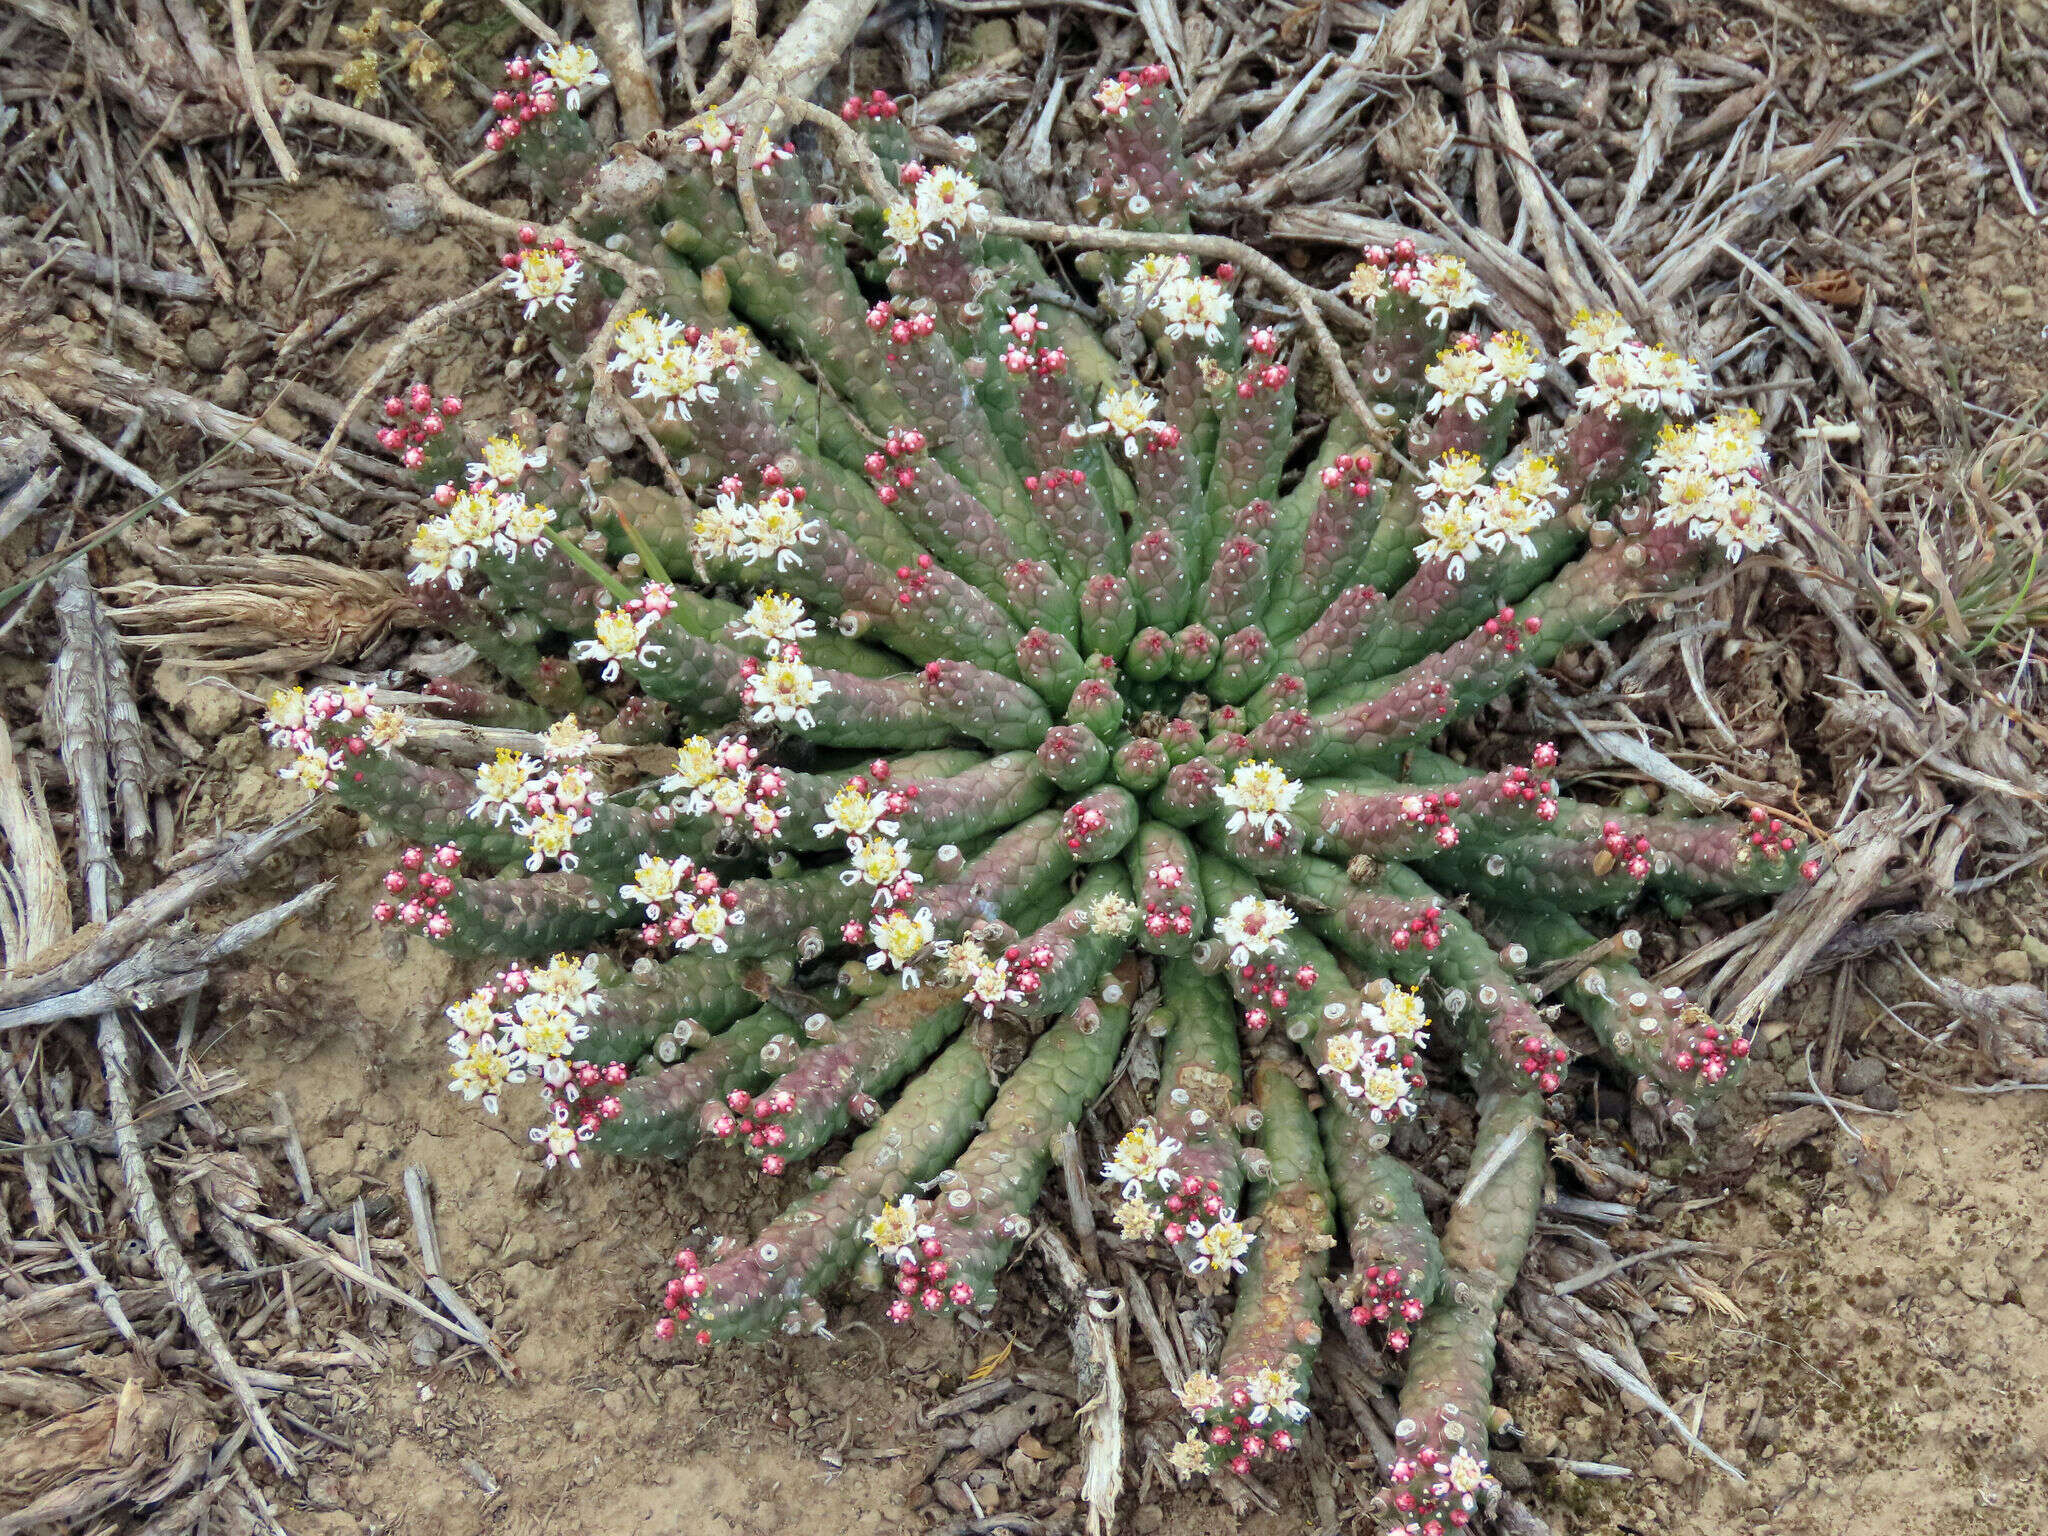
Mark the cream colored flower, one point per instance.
(710, 923)
(502, 785)
(544, 279)
(784, 690)
(697, 764)
(432, 553)
(481, 1071)
(1137, 1220)
(776, 619)
(1127, 415)
(1142, 1157)
(1456, 529)
(1345, 1054)
(1368, 285)
(896, 1231)
(1460, 377)
(1446, 286)
(1259, 796)
(1200, 1393)
(1467, 1471)
(572, 983)
(567, 742)
(1221, 1245)
(1272, 1395)
(657, 882)
(642, 337)
(854, 813)
(1596, 332)
(881, 862)
(1513, 366)
(505, 460)
(1114, 97)
(676, 378)
(899, 938)
(1252, 926)
(1401, 1015)
(1148, 279)
(388, 730)
(309, 770)
(1112, 914)
(616, 638)
(950, 199)
(906, 228)
(551, 835)
(777, 530)
(1195, 309)
(576, 70)
(1189, 1456)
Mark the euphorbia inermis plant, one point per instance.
(983, 690)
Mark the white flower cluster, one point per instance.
(1373, 1064)
(1710, 481)
(1478, 375)
(684, 905)
(1269, 1394)
(1252, 926)
(771, 531)
(677, 365)
(1259, 796)
(1267, 1400)
(544, 277)
(725, 779)
(783, 689)
(1220, 1243)
(1446, 285)
(1146, 281)
(1442, 282)
(943, 205)
(989, 979)
(897, 1230)
(1113, 915)
(1465, 515)
(619, 635)
(873, 852)
(901, 938)
(711, 136)
(575, 71)
(1126, 415)
(524, 1027)
(1142, 1158)
(490, 515)
(1189, 306)
(325, 727)
(1441, 1491)
(548, 800)
(1623, 371)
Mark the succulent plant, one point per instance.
(977, 673)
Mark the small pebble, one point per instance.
(2013, 965)
(1881, 1096)
(407, 208)
(233, 389)
(205, 351)
(1668, 1465)
(1859, 1076)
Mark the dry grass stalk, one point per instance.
(35, 904)
(274, 614)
